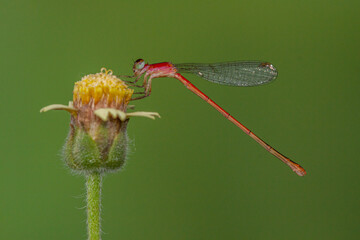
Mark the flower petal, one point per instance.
(151, 115)
(104, 114)
(68, 108)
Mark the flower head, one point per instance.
(97, 141)
(102, 90)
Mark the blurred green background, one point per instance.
(190, 174)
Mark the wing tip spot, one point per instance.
(267, 65)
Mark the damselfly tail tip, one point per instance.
(300, 171)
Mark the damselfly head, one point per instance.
(138, 66)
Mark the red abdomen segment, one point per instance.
(294, 166)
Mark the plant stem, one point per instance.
(93, 188)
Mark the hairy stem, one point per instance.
(93, 188)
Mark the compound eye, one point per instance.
(139, 64)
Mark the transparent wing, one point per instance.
(242, 73)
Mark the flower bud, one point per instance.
(95, 145)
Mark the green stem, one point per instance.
(93, 188)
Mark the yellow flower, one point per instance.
(102, 89)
